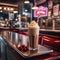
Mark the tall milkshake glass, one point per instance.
(33, 31)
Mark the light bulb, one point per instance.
(26, 2)
(35, 7)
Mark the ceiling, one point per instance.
(12, 1)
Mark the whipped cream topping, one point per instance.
(33, 24)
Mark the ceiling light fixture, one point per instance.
(5, 8)
(26, 2)
(12, 9)
(26, 10)
(15, 11)
(8, 8)
(0, 7)
(35, 6)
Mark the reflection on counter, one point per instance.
(20, 41)
(15, 38)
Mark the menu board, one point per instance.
(50, 4)
(56, 10)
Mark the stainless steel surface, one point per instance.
(15, 39)
(41, 51)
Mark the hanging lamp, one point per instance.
(26, 1)
(35, 6)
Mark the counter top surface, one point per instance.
(54, 55)
(27, 29)
(50, 30)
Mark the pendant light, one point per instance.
(35, 6)
(26, 1)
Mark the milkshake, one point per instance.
(33, 31)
